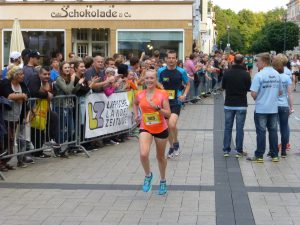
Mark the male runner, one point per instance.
(173, 79)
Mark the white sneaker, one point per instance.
(171, 153)
(176, 152)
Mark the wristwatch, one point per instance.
(158, 108)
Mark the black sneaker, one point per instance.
(28, 159)
(171, 153)
(283, 155)
(269, 155)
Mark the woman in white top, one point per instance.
(295, 64)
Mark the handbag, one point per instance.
(39, 114)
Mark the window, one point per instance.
(137, 41)
(48, 43)
(82, 34)
(95, 42)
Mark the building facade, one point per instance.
(293, 14)
(205, 33)
(98, 28)
(293, 11)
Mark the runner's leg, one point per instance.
(160, 156)
(145, 140)
(173, 132)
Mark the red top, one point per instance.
(152, 120)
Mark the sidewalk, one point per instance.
(204, 188)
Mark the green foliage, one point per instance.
(272, 37)
(252, 31)
(236, 40)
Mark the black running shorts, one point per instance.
(162, 135)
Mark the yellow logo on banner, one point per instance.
(151, 118)
(171, 94)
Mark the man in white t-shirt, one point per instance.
(265, 89)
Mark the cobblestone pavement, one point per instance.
(204, 188)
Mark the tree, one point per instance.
(272, 37)
(236, 40)
(247, 26)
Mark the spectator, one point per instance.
(285, 101)
(123, 71)
(59, 56)
(72, 70)
(29, 69)
(131, 81)
(110, 62)
(88, 62)
(15, 90)
(236, 83)
(97, 70)
(25, 56)
(15, 59)
(110, 77)
(64, 106)
(55, 68)
(265, 89)
(41, 87)
(81, 89)
(71, 56)
(135, 66)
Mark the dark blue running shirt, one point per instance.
(173, 81)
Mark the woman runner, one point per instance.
(154, 106)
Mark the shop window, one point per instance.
(137, 41)
(48, 43)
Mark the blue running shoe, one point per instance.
(162, 188)
(147, 183)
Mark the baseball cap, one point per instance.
(25, 52)
(34, 54)
(15, 55)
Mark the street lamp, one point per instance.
(284, 39)
(221, 45)
(228, 38)
(227, 49)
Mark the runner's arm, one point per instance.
(165, 110)
(290, 97)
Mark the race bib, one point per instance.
(151, 118)
(171, 94)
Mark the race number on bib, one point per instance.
(171, 94)
(152, 118)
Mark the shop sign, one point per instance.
(67, 11)
(96, 11)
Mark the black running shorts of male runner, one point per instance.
(175, 109)
(162, 135)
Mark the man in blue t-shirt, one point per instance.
(173, 79)
(265, 89)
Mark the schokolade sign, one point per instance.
(89, 12)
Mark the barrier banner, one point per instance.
(106, 115)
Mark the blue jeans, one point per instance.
(240, 121)
(283, 119)
(66, 124)
(263, 121)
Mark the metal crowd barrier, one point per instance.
(31, 128)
